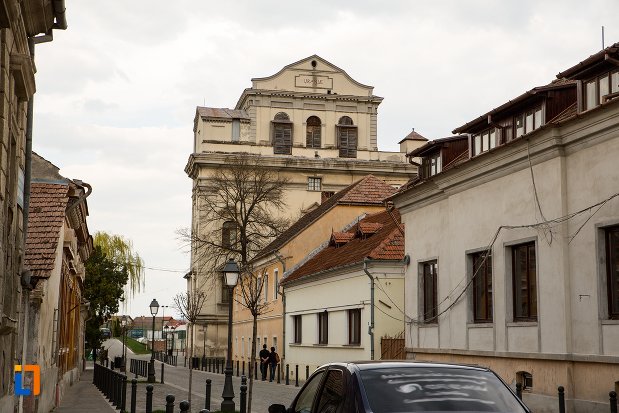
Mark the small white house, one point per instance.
(342, 300)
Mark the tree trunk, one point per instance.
(252, 360)
(190, 363)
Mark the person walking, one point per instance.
(264, 361)
(273, 362)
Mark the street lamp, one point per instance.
(231, 275)
(123, 323)
(154, 308)
(172, 344)
(163, 333)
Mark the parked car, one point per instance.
(105, 333)
(388, 387)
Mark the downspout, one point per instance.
(405, 261)
(371, 329)
(281, 259)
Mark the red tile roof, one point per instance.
(386, 244)
(413, 136)
(338, 238)
(48, 204)
(368, 191)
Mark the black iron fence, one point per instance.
(139, 367)
(166, 358)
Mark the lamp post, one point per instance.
(163, 333)
(154, 308)
(123, 323)
(231, 275)
(166, 328)
(172, 344)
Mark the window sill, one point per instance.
(522, 324)
(480, 325)
(321, 345)
(352, 345)
(610, 322)
(428, 325)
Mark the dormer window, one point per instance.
(528, 121)
(431, 165)
(484, 141)
(598, 89)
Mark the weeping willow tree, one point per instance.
(120, 250)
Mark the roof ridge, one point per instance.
(394, 234)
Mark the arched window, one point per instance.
(282, 134)
(312, 136)
(347, 137)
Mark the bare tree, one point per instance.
(189, 304)
(241, 210)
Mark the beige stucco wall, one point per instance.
(459, 212)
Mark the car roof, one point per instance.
(376, 364)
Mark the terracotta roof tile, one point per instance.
(338, 238)
(413, 136)
(47, 212)
(367, 191)
(386, 244)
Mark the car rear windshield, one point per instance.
(432, 389)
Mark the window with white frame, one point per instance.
(354, 326)
(323, 327)
(524, 282)
(266, 287)
(297, 328)
(429, 291)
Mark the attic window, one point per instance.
(368, 228)
(341, 238)
(484, 141)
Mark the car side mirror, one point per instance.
(277, 408)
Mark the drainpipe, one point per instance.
(406, 260)
(371, 329)
(283, 262)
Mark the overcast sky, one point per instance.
(117, 91)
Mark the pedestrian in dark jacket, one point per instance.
(273, 362)
(264, 361)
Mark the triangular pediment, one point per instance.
(313, 74)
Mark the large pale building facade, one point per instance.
(311, 123)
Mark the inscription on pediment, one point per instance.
(314, 81)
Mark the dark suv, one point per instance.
(389, 387)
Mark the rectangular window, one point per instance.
(354, 327)
(519, 125)
(266, 287)
(314, 184)
(323, 327)
(614, 82)
(590, 95)
(482, 287)
(236, 130)
(524, 282)
(275, 343)
(538, 118)
(492, 138)
(297, 328)
(477, 144)
(603, 88)
(612, 271)
(276, 284)
(430, 291)
(228, 234)
(528, 122)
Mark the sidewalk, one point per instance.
(83, 396)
